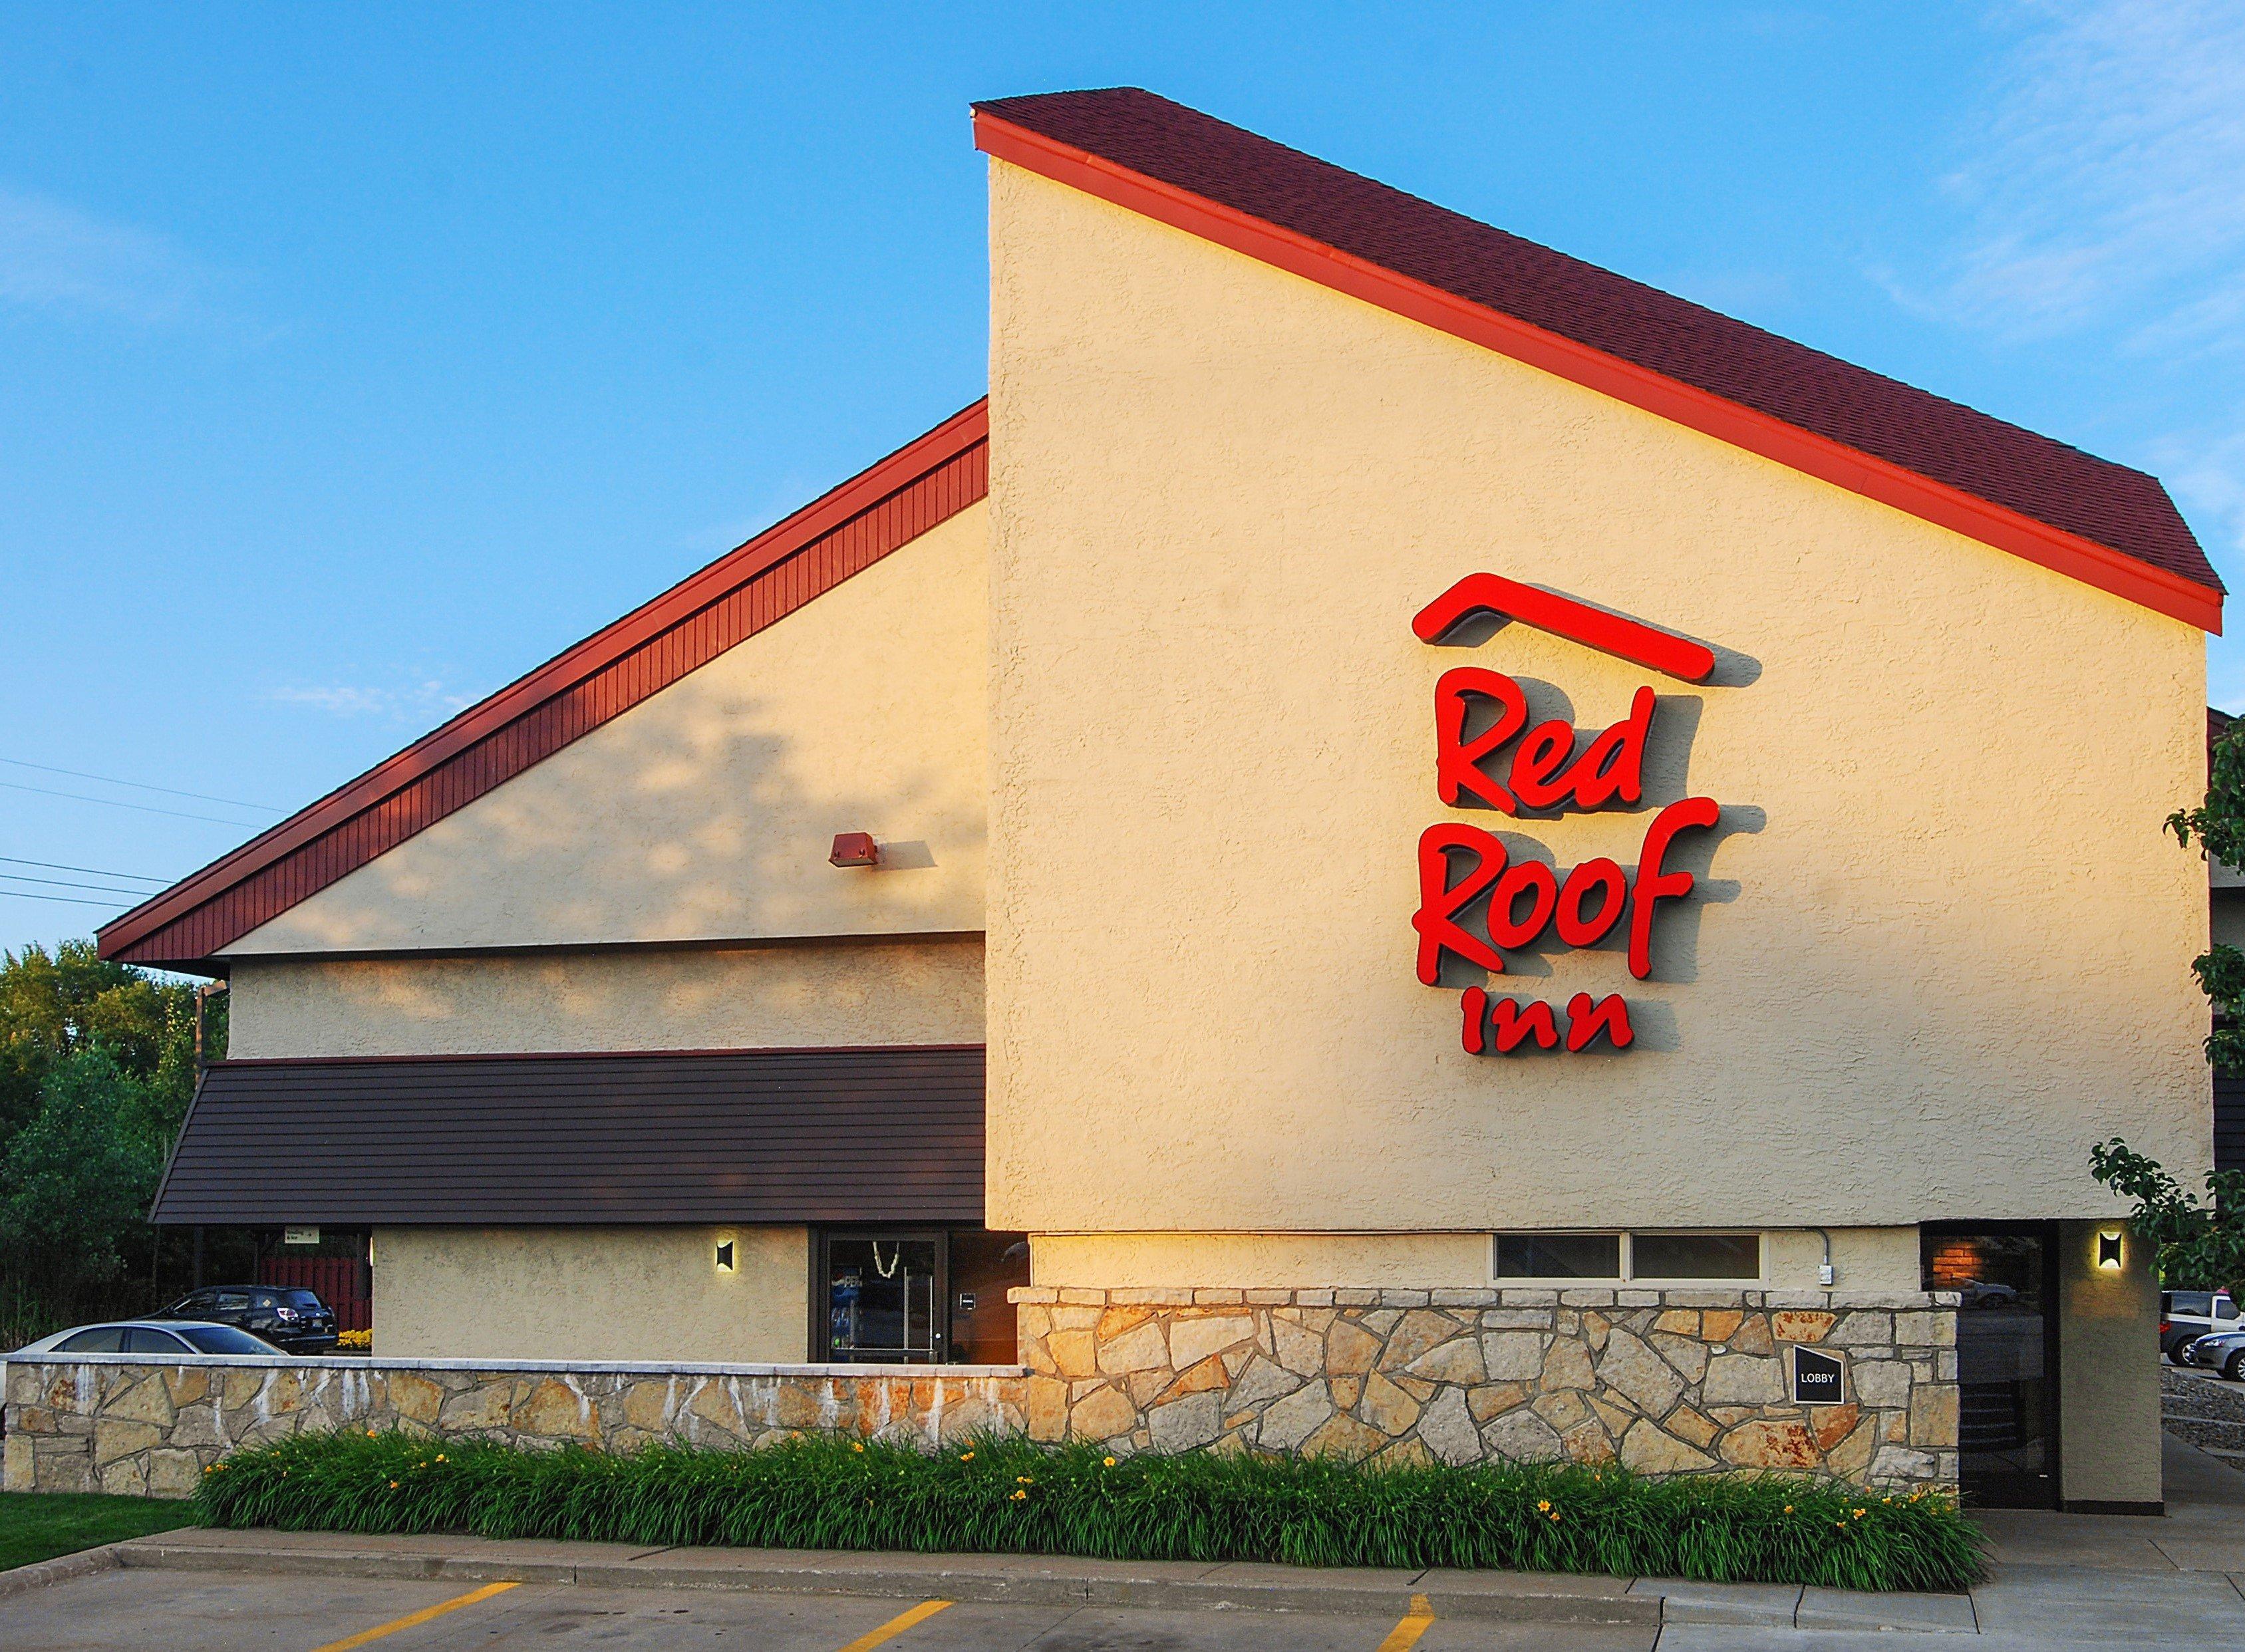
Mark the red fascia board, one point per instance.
(1743, 427)
(1647, 646)
(946, 441)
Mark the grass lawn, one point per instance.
(39, 1526)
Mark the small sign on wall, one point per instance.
(300, 1235)
(1818, 1379)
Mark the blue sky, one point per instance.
(353, 362)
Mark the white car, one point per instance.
(172, 1337)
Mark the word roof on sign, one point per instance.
(1463, 868)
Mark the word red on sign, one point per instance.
(1516, 1023)
(1541, 775)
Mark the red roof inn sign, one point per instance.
(1509, 766)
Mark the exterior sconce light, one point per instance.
(2108, 1251)
(724, 1256)
(855, 849)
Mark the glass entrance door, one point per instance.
(2006, 1358)
(885, 1299)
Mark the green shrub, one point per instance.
(1010, 1496)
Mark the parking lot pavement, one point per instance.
(143, 1610)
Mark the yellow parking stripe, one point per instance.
(1405, 1634)
(412, 1618)
(898, 1624)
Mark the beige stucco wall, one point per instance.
(905, 991)
(706, 812)
(591, 1293)
(1864, 1260)
(2108, 1343)
(1942, 947)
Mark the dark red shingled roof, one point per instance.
(2048, 482)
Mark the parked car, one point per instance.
(288, 1316)
(2222, 1351)
(2184, 1316)
(142, 1337)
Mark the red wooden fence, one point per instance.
(342, 1283)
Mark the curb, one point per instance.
(22, 1579)
(1507, 1596)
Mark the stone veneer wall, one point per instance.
(149, 1426)
(1667, 1381)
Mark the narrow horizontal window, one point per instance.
(1558, 1255)
(1695, 1255)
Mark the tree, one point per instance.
(2201, 1245)
(52, 1004)
(2218, 824)
(75, 1181)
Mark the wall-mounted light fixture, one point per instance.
(2108, 1250)
(724, 1256)
(855, 849)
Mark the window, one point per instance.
(144, 1339)
(102, 1339)
(225, 1339)
(1558, 1255)
(2224, 1308)
(230, 1302)
(1695, 1255)
(1619, 1256)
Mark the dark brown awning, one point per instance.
(862, 1134)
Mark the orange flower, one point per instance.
(1017, 1496)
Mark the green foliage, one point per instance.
(2201, 1245)
(52, 1004)
(2218, 824)
(1006, 1495)
(39, 1526)
(75, 1182)
(97, 1068)
(2218, 827)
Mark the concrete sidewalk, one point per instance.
(2056, 1580)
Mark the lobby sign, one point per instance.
(1508, 766)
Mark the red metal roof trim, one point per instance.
(2101, 523)
(844, 532)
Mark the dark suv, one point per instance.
(285, 1314)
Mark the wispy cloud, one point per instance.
(55, 257)
(2107, 176)
(429, 701)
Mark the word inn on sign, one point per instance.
(1509, 766)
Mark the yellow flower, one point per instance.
(1017, 1496)
(1109, 1462)
(858, 1447)
(1788, 1508)
(1543, 1506)
(1554, 1516)
(1023, 1480)
(440, 1456)
(966, 1456)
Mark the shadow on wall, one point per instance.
(689, 817)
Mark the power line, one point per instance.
(64, 883)
(176, 814)
(138, 785)
(66, 900)
(97, 871)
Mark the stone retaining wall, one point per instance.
(149, 1426)
(1666, 1381)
